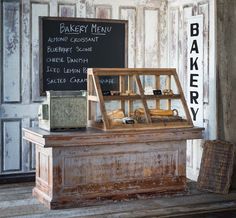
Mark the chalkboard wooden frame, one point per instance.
(42, 58)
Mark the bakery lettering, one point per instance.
(79, 29)
(73, 29)
(194, 76)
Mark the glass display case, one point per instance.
(134, 98)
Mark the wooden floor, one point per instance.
(16, 201)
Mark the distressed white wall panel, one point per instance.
(25, 51)
(32, 157)
(198, 144)
(194, 154)
(19, 110)
(163, 34)
(151, 43)
(189, 154)
(139, 39)
(187, 9)
(130, 15)
(28, 149)
(204, 10)
(25, 148)
(36, 11)
(180, 47)
(151, 40)
(187, 12)
(11, 133)
(206, 126)
(103, 11)
(67, 10)
(33, 123)
(174, 42)
(81, 8)
(89, 4)
(53, 7)
(11, 52)
(173, 38)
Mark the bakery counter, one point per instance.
(92, 166)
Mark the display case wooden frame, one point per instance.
(131, 79)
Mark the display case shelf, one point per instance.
(138, 97)
(142, 98)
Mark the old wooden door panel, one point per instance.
(179, 12)
(37, 10)
(11, 137)
(151, 39)
(130, 14)
(11, 52)
(66, 10)
(11, 96)
(19, 79)
(139, 14)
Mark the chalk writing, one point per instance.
(100, 30)
(71, 71)
(55, 60)
(57, 39)
(80, 49)
(107, 80)
(84, 39)
(77, 80)
(59, 49)
(52, 69)
(77, 60)
(56, 81)
(73, 29)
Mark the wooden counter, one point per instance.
(90, 166)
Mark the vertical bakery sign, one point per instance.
(195, 69)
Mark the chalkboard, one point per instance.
(68, 46)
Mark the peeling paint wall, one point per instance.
(178, 13)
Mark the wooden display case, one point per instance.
(143, 98)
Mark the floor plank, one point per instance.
(16, 201)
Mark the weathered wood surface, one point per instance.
(85, 168)
(226, 91)
(98, 137)
(16, 201)
(88, 175)
(216, 166)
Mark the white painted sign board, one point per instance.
(195, 69)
